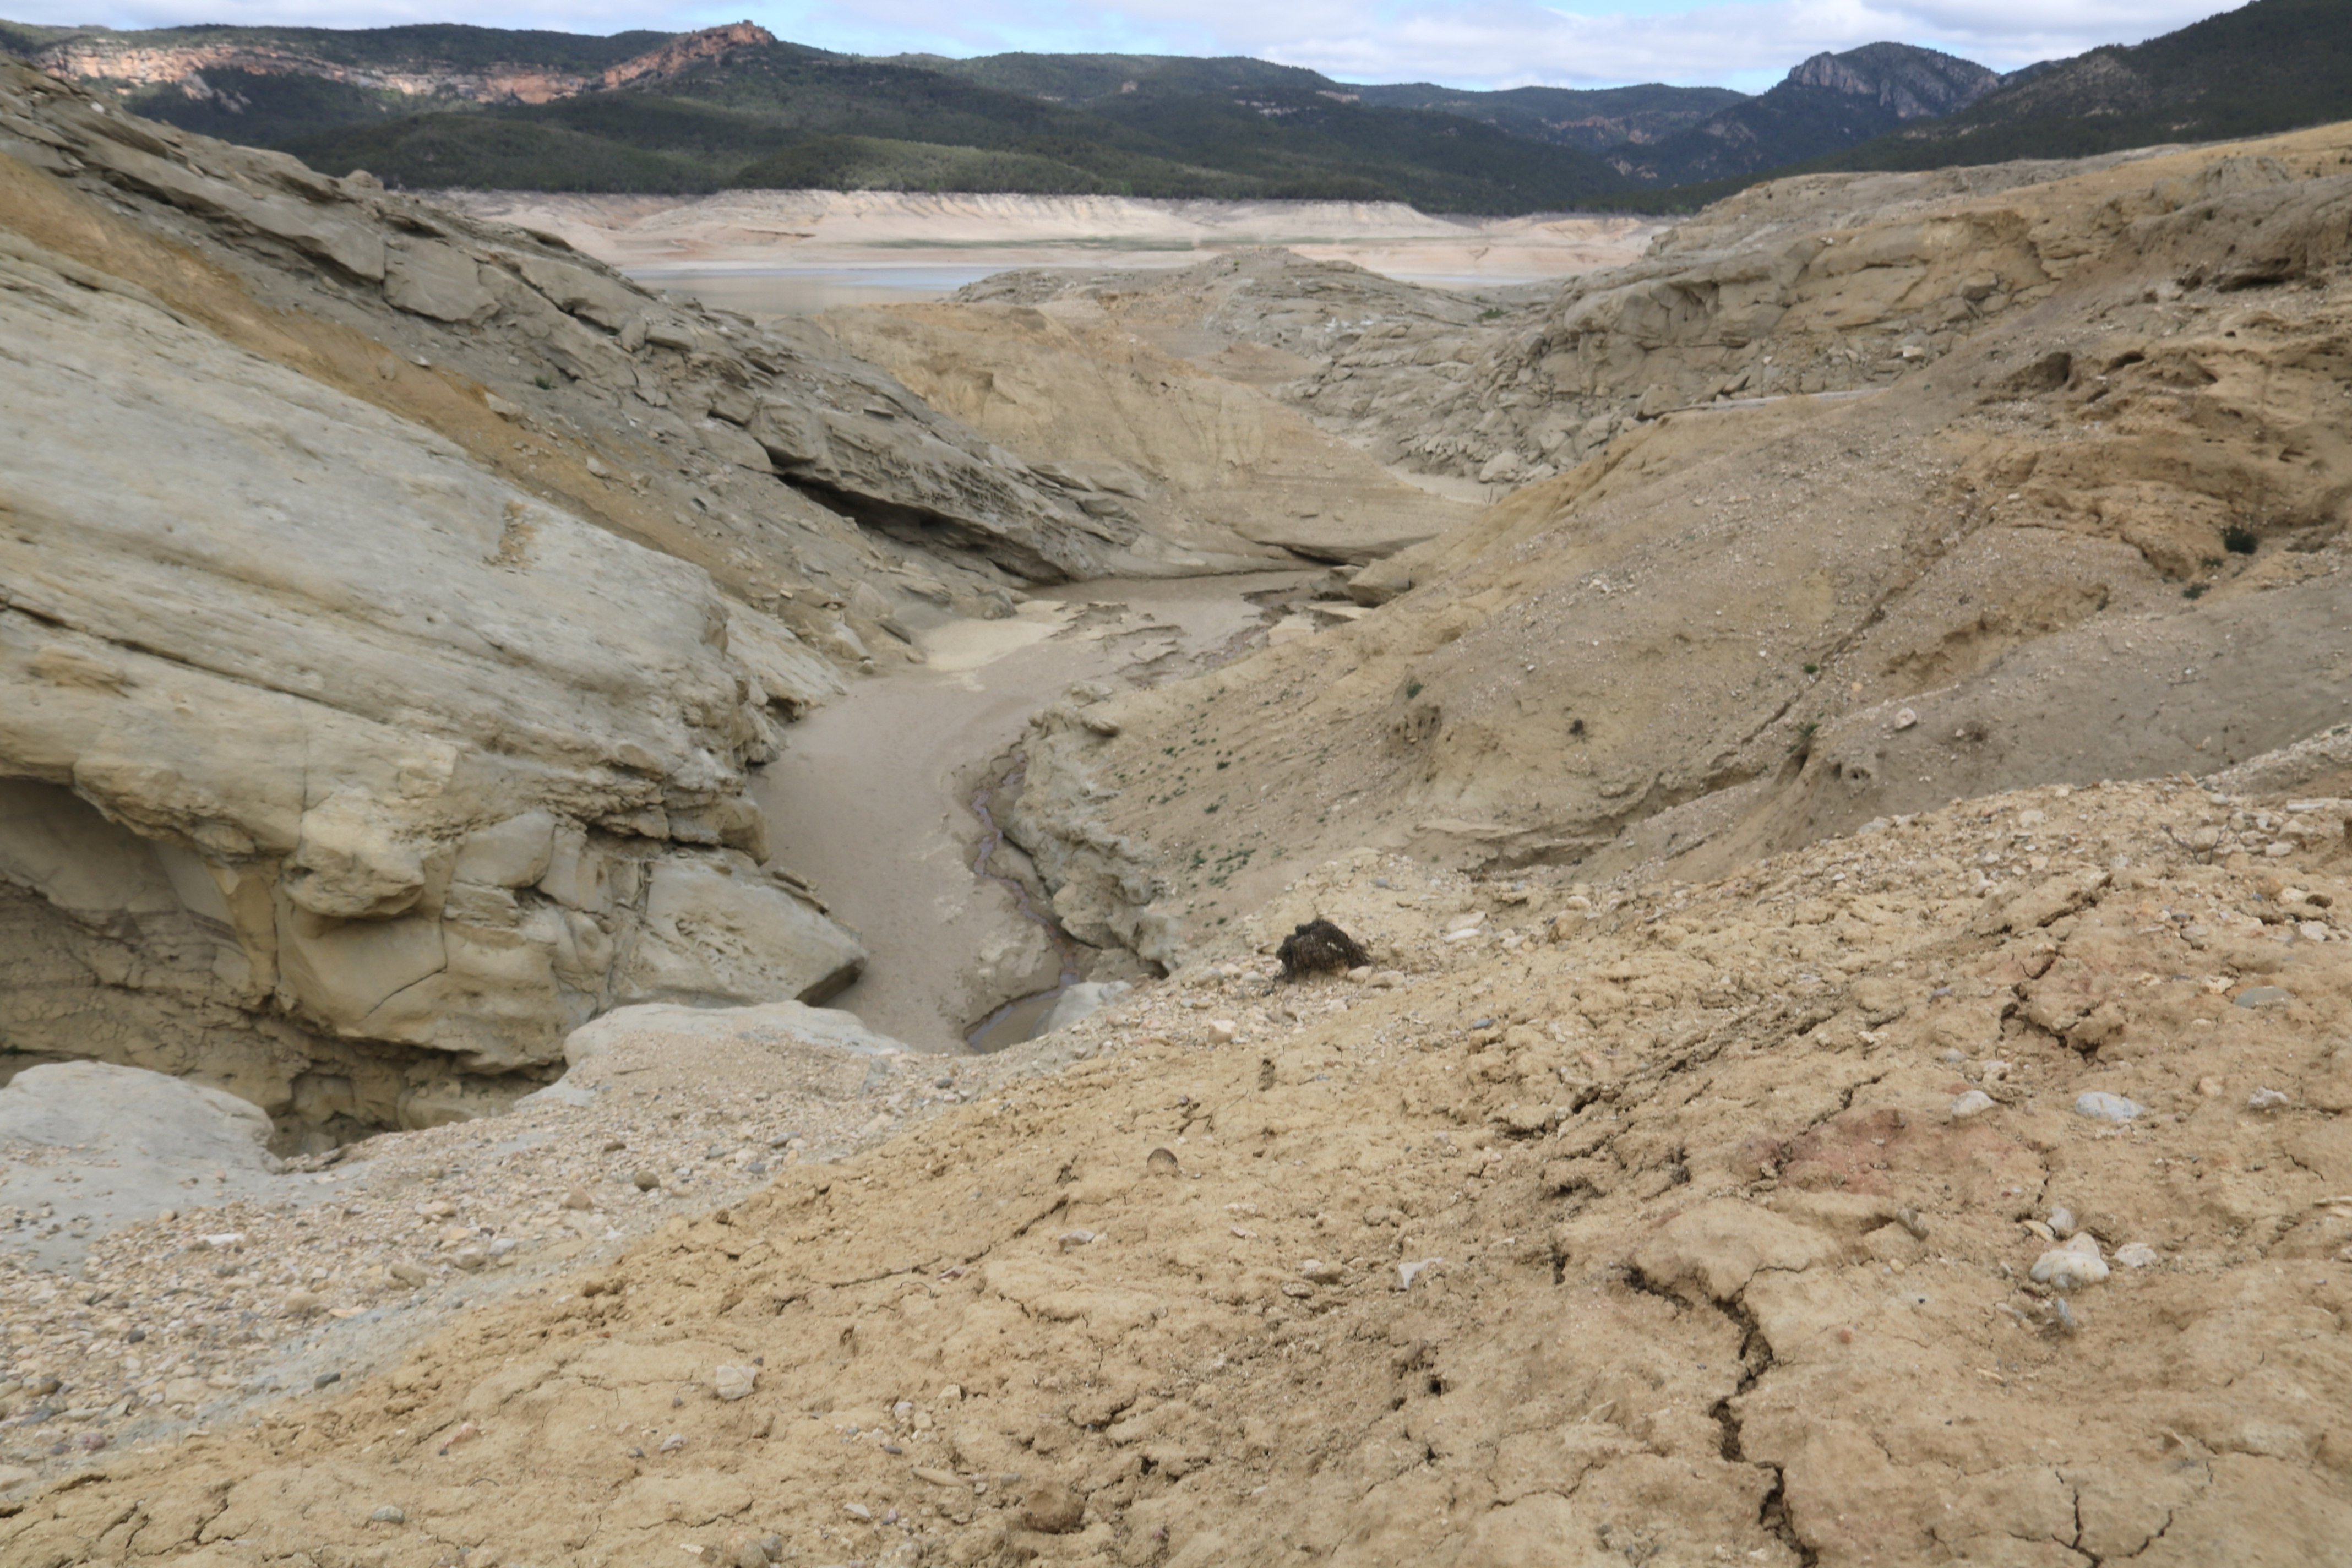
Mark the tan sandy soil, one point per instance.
(1193, 455)
(2098, 535)
(1687, 1224)
(749, 231)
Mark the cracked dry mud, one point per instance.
(1642, 1221)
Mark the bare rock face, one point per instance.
(328, 743)
(391, 606)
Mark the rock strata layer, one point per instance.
(391, 608)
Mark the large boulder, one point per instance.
(88, 1146)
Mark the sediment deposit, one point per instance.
(1800, 1108)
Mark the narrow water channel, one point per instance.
(876, 802)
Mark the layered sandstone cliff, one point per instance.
(392, 606)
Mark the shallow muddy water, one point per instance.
(872, 800)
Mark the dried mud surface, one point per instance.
(1648, 1221)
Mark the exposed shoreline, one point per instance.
(882, 234)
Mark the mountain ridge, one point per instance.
(449, 105)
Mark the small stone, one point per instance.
(184, 1391)
(469, 1258)
(673, 1443)
(1409, 1273)
(1223, 1030)
(2210, 1088)
(1909, 1220)
(2136, 1255)
(1905, 717)
(2266, 1099)
(43, 1385)
(2100, 1106)
(1322, 1273)
(1161, 1163)
(1976, 1102)
(615, 1145)
(742, 1549)
(1052, 1509)
(407, 1274)
(859, 1510)
(388, 1514)
(952, 1395)
(326, 1379)
(2263, 996)
(733, 1382)
(1075, 1238)
(89, 1442)
(2071, 1266)
(2061, 1222)
(1360, 974)
(578, 1198)
(646, 1181)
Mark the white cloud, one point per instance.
(1747, 43)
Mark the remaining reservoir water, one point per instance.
(800, 292)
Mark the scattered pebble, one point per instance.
(2135, 1255)
(2071, 1266)
(2263, 996)
(2100, 1106)
(389, 1514)
(2266, 1099)
(1976, 1102)
(733, 1382)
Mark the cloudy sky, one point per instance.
(1747, 44)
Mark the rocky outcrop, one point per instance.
(1104, 888)
(2099, 536)
(354, 745)
(335, 755)
(100, 57)
(1228, 476)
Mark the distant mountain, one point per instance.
(455, 105)
(1598, 119)
(736, 106)
(2272, 65)
(1825, 105)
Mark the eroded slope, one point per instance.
(1672, 1221)
(2098, 537)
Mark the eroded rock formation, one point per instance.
(390, 608)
